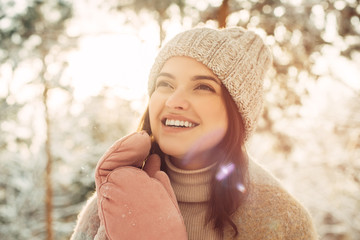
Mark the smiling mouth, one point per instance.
(178, 123)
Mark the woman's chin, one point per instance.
(174, 153)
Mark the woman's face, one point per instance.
(187, 110)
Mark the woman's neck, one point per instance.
(194, 163)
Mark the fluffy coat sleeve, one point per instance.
(88, 223)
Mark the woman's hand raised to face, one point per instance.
(134, 203)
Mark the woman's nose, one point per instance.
(177, 100)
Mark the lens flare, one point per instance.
(225, 171)
(241, 187)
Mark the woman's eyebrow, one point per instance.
(206, 77)
(165, 74)
(194, 78)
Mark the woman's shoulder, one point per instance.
(269, 198)
(270, 212)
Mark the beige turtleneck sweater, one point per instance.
(192, 189)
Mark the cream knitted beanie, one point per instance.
(238, 57)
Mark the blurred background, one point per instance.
(73, 78)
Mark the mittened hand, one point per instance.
(128, 151)
(134, 204)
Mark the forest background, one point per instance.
(73, 80)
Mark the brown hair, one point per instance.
(225, 196)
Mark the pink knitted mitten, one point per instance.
(135, 203)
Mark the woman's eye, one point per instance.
(163, 84)
(205, 87)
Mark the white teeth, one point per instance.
(178, 123)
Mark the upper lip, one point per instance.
(177, 117)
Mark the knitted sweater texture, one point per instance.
(269, 213)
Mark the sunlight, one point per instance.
(118, 61)
(73, 80)
(108, 56)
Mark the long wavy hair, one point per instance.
(227, 193)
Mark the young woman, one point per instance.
(205, 91)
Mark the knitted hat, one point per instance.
(236, 56)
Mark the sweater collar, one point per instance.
(190, 185)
